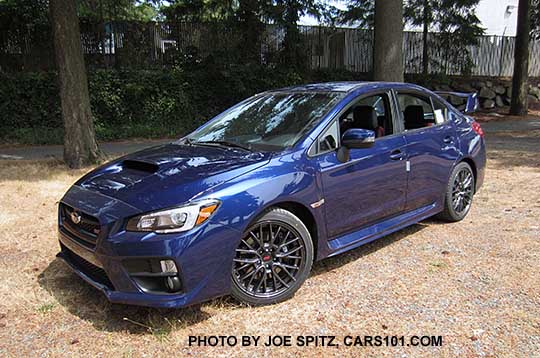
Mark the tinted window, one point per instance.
(417, 111)
(371, 113)
(268, 122)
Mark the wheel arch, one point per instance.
(302, 212)
(305, 215)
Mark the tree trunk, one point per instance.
(425, 32)
(294, 56)
(520, 80)
(388, 49)
(251, 29)
(80, 147)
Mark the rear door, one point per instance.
(372, 184)
(431, 146)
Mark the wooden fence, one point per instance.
(151, 45)
(351, 49)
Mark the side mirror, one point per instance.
(358, 138)
(354, 138)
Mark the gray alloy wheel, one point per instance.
(273, 259)
(459, 193)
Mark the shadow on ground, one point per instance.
(513, 149)
(89, 304)
(334, 262)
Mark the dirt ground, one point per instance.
(476, 283)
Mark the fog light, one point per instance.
(168, 266)
(173, 283)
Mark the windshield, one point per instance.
(272, 121)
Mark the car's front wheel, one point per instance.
(459, 193)
(273, 259)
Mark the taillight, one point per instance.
(476, 127)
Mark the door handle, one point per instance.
(396, 155)
(448, 140)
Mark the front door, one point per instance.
(372, 185)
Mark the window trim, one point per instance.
(313, 152)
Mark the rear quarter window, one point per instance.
(440, 111)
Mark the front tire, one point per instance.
(459, 193)
(272, 260)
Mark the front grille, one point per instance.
(95, 273)
(85, 231)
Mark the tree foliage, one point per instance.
(286, 14)
(199, 10)
(27, 12)
(137, 103)
(34, 13)
(24, 16)
(455, 26)
(118, 10)
(247, 18)
(452, 24)
(359, 12)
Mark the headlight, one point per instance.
(174, 220)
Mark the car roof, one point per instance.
(347, 86)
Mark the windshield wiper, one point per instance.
(224, 143)
(187, 141)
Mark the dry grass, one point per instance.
(475, 282)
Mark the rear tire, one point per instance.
(459, 193)
(272, 260)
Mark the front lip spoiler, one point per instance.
(139, 298)
(85, 277)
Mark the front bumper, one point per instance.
(202, 276)
(203, 257)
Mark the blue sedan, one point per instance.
(246, 203)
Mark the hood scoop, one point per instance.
(140, 166)
(127, 174)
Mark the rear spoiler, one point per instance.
(471, 104)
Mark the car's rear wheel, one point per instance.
(273, 259)
(459, 193)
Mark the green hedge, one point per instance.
(143, 103)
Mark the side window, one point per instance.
(371, 113)
(440, 111)
(329, 139)
(417, 111)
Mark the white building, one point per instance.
(499, 17)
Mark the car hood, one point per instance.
(170, 174)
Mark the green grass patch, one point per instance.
(46, 308)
